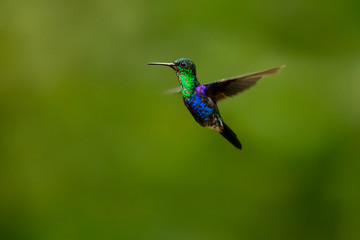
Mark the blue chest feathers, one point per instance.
(199, 108)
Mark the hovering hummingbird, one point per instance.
(201, 100)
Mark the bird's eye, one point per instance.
(183, 64)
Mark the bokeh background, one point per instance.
(90, 148)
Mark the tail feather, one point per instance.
(230, 136)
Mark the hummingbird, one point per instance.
(201, 100)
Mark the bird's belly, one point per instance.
(200, 109)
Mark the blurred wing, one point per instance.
(173, 91)
(230, 86)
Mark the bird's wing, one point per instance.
(173, 91)
(230, 86)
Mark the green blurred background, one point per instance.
(90, 148)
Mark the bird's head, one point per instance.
(182, 66)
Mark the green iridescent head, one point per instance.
(185, 66)
(186, 72)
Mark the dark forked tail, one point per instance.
(230, 136)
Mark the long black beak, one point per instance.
(159, 63)
(172, 65)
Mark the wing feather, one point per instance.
(231, 86)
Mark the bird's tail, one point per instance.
(230, 136)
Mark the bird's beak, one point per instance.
(172, 65)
